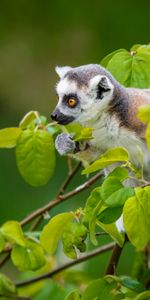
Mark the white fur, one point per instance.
(61, 71)
(109, 134)
(96, 80)
(64, 87)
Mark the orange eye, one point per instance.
(72, 102)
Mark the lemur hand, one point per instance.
(64, 144)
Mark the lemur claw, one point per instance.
(65, 144)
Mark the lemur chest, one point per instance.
(108, 134)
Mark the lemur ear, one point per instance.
(101, 84)
(101, 81)
(61, 71)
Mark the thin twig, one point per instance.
(68, 179)
(57, 270)
(15, 297)
(61, 190)
(69, 163)
(60, 199)
(36, 222)
(101, 233)
(114, 259)
(5, 259)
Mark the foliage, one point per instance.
(33, 252)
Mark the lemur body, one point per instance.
(105, 105)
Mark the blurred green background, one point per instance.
(35, 36)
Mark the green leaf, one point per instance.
(132, 284)
(113, 193)
(2, 242)
(109, 186)
(99, 289)
(118, 198)
(6, 285)
(136, 216)
(79, 132)
(53, 231)
(111, 156)
(85, 134)
(130, 68)
(144, 114)
(74, 295)
(92, 222)
(74, 237)
(28, 118)
(110, 215)
(112, 230)
(104, 62)
(41, 120)
(9, 136)
(143, 296)
(53, 129)
(91, 203)
(35, 156)
(120, 173)
(12, 232)
(30, 257)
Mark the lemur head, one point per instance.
(83, 93)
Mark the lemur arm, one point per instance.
(82, 150)
(65, 144)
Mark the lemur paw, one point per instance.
(65, 144)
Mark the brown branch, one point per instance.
(15, 297)
(114, 259)
(61, 190)
(57, 270)
(35, 223)
(5, 259)
(60, 199)
(69, 163)
(68, 179)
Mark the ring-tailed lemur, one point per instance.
(91, 96)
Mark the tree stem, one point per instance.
(114, 259)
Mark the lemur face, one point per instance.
(83, 93)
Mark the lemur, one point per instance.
(91, 96)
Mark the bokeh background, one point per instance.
(35, 36)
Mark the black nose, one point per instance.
(54, 116)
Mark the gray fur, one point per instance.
(65, 144)
(82, 75)
(119, 105)
(108, 111)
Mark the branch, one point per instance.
(114, 259)
(5, 259)
(69, 163)
(68, 179)
(15, 297)
(57, 270)
(60, 199)
(61, 190)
